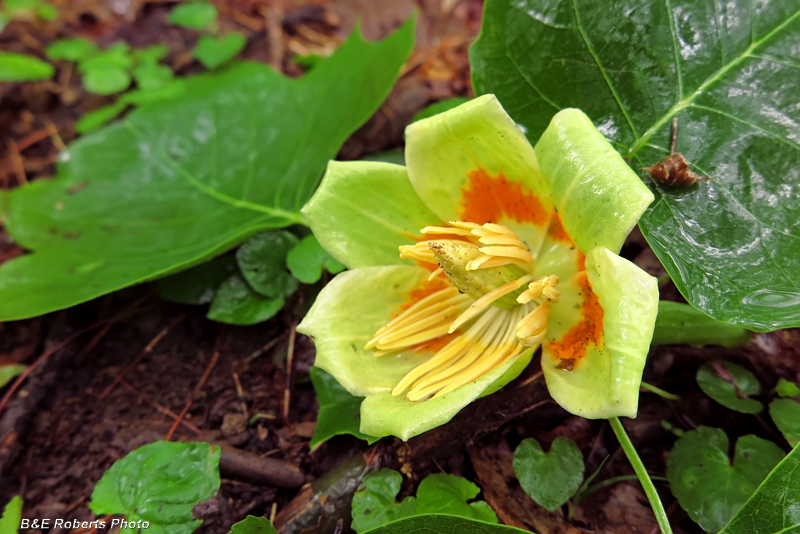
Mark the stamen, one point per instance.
(418, 252)
(487, 299)
(544, 286)
(446, 231)
(504, 247)
(533, 327)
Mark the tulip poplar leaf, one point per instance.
(775, 506)
(727, 71)
(183, 179)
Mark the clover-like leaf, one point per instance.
(730, 385)
(338, 410)
(193, 15)
(12, 516)
(183, 179)
(160, 483)
(307, 259)
(23, 68)
(253, 525)
(785, 414)
(71, 49)
(215, 51)
(550, 478)
(775, 506)
(728, 73)
(237, 303)
(707, 485)
(262, 260)
(374, 504)
(784, 388)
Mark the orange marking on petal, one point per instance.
(428, 288)
(557, 231)
(575, 343)
(436, 344)
(488, 198)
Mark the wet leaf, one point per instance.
(7, 372)
(704, 481)
(550, 478)
(679, 324)
(12, 516)
(374, 504)
(237, 303)
(193, 15)
(160, 483)
(23, 68)
(338, 410)
(215, 51)
(730, 384)
(197, 285)
(183, 179)
(785, 414)
(728, 73)
(444, 524)
(262, 260)
(775, 506)
(307, 259)
(71, 49)
(253, 525)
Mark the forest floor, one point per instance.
(137, 369)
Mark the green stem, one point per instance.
(665, 278)
(641, 472)
(660, 392)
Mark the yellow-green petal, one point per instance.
(596, 194)
(364, 210)
(347, 313)
(383, 414)
(595, 370)
(472, 163)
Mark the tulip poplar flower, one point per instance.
(478, 252)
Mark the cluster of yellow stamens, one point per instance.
(469, 334)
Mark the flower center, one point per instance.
(488, 310)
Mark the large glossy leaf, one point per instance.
(181, 180)
(775, 506)
(443, 524)
(728, 72)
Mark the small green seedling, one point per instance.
(730, 385)
(549, 478)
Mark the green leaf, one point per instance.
(785, 414)
(150, 53)
(705, 483)
(679, 324)
(784, 388)
(338, 410)
(160, 483)
(106, 81)
(71, 49)
(98, 117)
(12, 516)
(197, 285)
(775, 506)
(307, 259)
(728, 73)
(47, 12)
(374, 504)
(550, 478)
(22, 68)
(181, 180)
(237, 303)
(443, 524)
(115, 57)
(253, 525)
(308, 61)
(730, 384)
(193, 15)
(262, 261)
(439, 107)
(149, 75)
(447, 494)
(215, 51)
(7, 372)
(396, 157)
